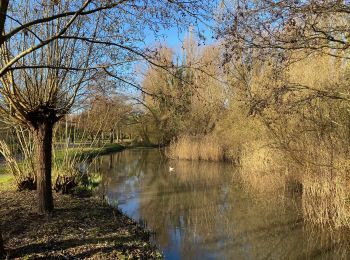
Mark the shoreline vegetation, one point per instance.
(79, 227)
(264, 169)
(291, 133)
(88, 152)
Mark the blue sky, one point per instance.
(174, 37)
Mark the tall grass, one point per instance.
(324, 200)
(326, 191)
(311, 133)
(262, 170)
(322, 185)
(321, 179)
(189, 147)
(23, 169)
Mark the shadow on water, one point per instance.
(201, 211)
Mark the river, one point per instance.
(202, 210)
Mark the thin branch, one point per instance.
(61, 15)
(5, 68)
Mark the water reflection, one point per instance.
(201, 211)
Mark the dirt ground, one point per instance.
(79, 228)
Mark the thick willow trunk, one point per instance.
(43, 135)
(2, 249)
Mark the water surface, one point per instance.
(202, 210)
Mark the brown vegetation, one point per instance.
(283, 119)
(205, 148)
(290, 68)
(186, 99)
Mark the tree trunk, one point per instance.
(111, 136)
(3, 11)
(99, 143)
(2, 249)
(43, 135)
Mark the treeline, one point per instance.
(277, 106)
(184, 95)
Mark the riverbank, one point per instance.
(78, 228)
(89, 152)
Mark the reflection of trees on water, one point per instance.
(203, 207)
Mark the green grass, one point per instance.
(6, 178)
(109, 148)
(6, 181)
(86, 152)
(3, 170)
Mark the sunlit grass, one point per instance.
(7, 181)
(83, 152)
(63, 161)
(204, 148)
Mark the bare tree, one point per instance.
(187, 99)
(51, 49)
(104, 114)
(3, 10)
(312, 26)
(277, 34)
(291, 58)
(40, 88)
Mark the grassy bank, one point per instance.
(78, 228)
(79, 153)
(88, 152)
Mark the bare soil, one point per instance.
(79, 228)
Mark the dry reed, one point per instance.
(196, 148)
(261, 169)
(324, 200)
